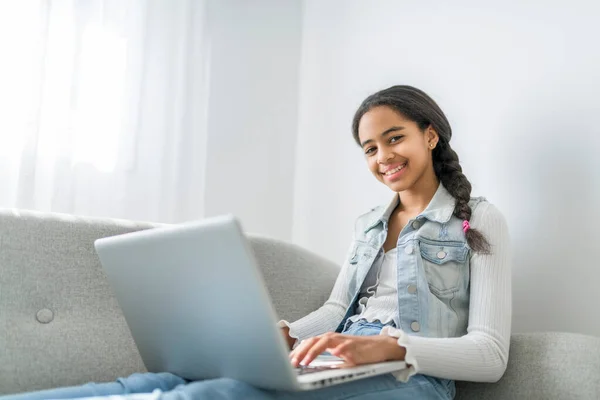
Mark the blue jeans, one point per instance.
(172, 387)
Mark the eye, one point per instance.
(370, 150)
(394, 139)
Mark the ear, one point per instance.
(432, 137)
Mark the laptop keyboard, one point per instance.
(303, 370)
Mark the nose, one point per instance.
(384, 156)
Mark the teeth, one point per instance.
(393, 171)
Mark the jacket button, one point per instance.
(415, 326)
(416, 224)
(44, 316)
(409, 249)
(441, 254)
(412, 289)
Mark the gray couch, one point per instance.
(60, 324)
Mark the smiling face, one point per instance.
(398, 153)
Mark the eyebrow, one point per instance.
(386, 132)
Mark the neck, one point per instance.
(416, 199)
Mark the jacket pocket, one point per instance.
(361, 252)
(443, 263)
(360, 259)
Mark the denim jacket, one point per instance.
(432, 266)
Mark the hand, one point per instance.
(288, 339)
(354, 350)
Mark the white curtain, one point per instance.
(102, 107)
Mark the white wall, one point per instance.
(520, 85)
(252, 112)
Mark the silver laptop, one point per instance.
(196, 304)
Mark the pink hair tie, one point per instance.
(466, 226)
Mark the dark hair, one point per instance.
(417, 106)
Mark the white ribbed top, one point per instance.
(482, 354)
(383, 304)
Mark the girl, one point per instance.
(427, 279)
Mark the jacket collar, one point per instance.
(439, 209)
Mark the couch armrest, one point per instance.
(547, 366)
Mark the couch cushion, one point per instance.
(59, 321)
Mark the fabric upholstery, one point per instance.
(545, 365)
(59, 321)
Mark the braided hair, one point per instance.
(417, 106)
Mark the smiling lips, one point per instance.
(392, 171)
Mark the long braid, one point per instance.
(449, 172)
